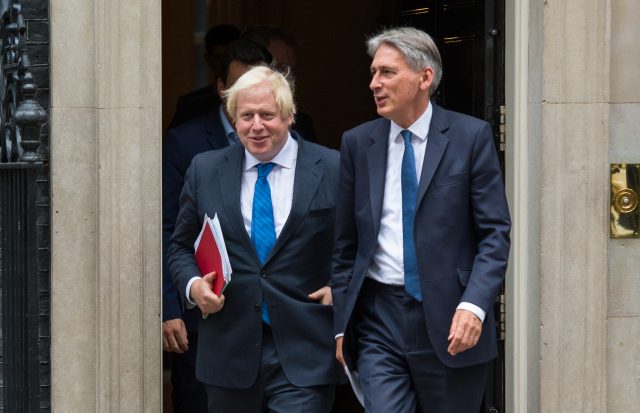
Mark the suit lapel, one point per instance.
(434, 151)
(215, 131)
(307, 179)
(230, 178)
(377, 167)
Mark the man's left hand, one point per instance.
(323, 296)
(464, 332)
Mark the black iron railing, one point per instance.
(24, 226)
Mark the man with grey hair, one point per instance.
(267, 342)
(422, 240)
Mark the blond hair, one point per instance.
(281, 86)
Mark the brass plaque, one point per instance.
(625, 211)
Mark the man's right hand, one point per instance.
(339, 351)
(174, 336)
(202, 294)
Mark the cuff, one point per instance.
(479, 312)
(190, 304)
(171, 312)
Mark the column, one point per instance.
(574, 139)
(105, 159)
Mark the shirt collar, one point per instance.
(285, 158)
(228, 128)
(420, 127)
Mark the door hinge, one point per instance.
(503, 128)
(502, 318)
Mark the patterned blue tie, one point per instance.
(409, 195)
(263, 229)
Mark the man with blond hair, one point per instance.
(267, 342)
(181, 144)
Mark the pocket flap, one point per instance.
(463, 276)
(321, 212)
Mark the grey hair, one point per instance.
(418, 48)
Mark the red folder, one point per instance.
(209, 259)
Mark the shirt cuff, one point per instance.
(479, 312)
(339, 335)
(190, 304)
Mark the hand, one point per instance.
(202, 294)
(464, 332)
(174, 336)
(339, 351)
(323, 296)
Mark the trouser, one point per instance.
(272, 391)
(398, 366)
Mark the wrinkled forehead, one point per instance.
(388, 55)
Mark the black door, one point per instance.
(470, 36)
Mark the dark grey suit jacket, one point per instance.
(230, 341)
(461, 227)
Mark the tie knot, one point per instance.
(406, 135)
(264, 169)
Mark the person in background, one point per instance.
(267, 342)
(213, 130)
(201, 101)
(422, 240)
(282, 45)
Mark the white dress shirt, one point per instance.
(281, 179)
(387, 264)
(229, 131)
(280, 182)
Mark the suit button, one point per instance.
(263, 274)
(257, 307)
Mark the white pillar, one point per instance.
(522, 85)
(574, 140)
(105, 162)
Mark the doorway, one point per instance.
(332, 74)
(332, 69)
(470, 36)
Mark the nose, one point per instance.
(375, 82)
(257, 122)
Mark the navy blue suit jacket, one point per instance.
(195, 104)
(181, 144)
(229, 341)
(461, 226)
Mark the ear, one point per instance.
(290, 121)
(426, 78)
(220, 86)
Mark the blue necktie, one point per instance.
(409, 195)
(263, 229)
